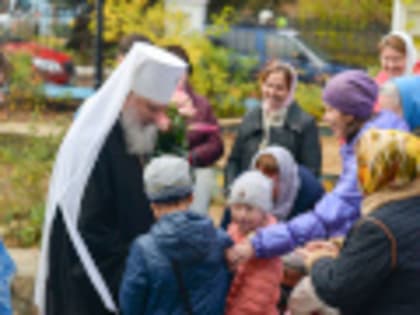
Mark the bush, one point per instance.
(218, 74)
(309, 98)
(25, 165)
(25, 86)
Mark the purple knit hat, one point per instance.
(352, 92)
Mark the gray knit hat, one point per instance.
(253, 188)
(167, 178)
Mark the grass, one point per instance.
(25, 165)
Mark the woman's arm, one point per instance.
(210, 150)
(333, 215)
(359, 271)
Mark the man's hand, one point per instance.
(184, 104)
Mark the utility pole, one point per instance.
(99, 43)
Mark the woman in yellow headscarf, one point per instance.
(388, 166)
(378, 269)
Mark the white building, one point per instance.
(406, 17)
(195, 10)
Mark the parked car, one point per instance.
(269, 43)
(54, 66)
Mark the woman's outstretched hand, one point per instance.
(239, 254)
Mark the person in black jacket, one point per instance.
(378, 269)
(279, 121)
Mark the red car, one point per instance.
(54, 66)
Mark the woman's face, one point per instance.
(392, 62)
(274, 89)
(275, 178)
(247, 217)
(337, 121)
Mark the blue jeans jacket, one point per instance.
(7, 270)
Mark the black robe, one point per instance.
(114, 211)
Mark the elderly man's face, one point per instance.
(149, 112)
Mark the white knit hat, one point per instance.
(253, 188)
(167, 178)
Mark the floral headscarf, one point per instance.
(387, 159)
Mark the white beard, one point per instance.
(140, 139)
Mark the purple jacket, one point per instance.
(205, 148)
(335, 213)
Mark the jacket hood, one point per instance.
(408, 88)
(385, 119)
(185, 236)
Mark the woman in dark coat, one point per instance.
(378, 269)
(279, 121)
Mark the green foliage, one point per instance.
(24, 85)
(214, 67)
(349, 32)
(309, 98)
(253, 5)
(175, 140)
(25, 165)
(361, 13)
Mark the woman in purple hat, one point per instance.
(349, 99)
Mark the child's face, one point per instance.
(247, 217)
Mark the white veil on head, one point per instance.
(289, 179)
(293, 85)
(159, 71)
(411, 51)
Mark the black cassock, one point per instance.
(114, 211)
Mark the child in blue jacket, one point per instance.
(179, 266)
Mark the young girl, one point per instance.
(256, 286)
